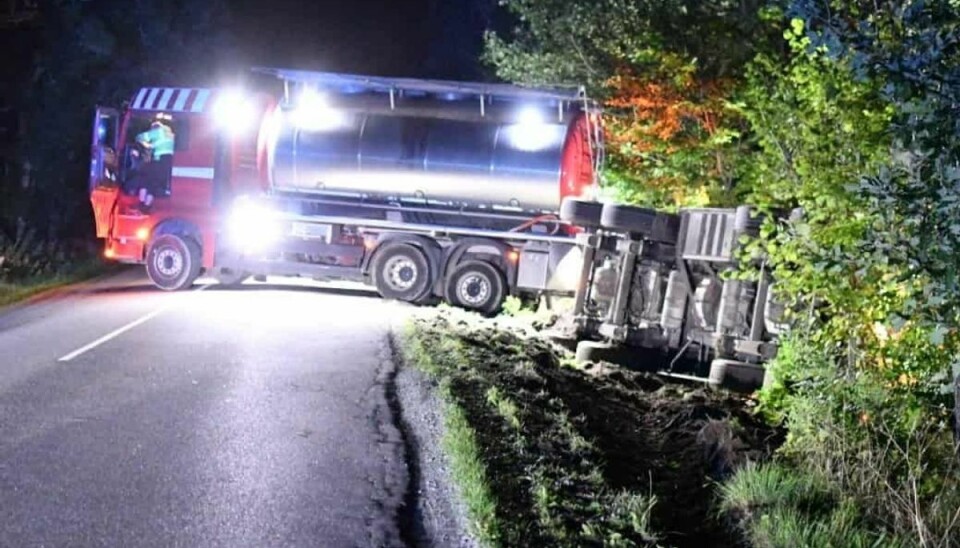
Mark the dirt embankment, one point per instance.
(568, 456)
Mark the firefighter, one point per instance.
(158, 143)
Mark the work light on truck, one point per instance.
(313, 112)
(234, 112)
(531, 132)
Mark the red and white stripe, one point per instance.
(193, 100)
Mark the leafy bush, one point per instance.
(664, 71)
(26, 257)
(849, 133)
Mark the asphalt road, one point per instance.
(249, 417)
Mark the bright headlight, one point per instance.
(234, 112)
(251, 226)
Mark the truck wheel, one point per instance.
(736, 375)
(582, 213)
(476, 285)
(660, 227)
(173, 262)
(229, 277)
(401, 272)
(628, 218)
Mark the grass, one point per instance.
(11, 293)
(758, 488)
(505, 407)
(516, 491)
(779, 506)
(549, 455)
(459, 442)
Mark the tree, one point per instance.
(858, 129)
(100, 51)
(665, 71)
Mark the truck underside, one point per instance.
(677, 285)
(472, 259)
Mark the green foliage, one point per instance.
(29, 265)
(664, 71)
(512, 306)
(851, 126)
(781, 506)
(586, 42)
(25, 257)
(816, 129)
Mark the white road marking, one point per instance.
(121, 330)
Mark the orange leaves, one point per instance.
(666, 109)
(650, 109)
(664, 127)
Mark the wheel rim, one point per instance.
(169, 262)
(401, 273)
(474, 289)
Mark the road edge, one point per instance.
(433, 513)
(58, 289)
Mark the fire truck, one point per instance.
(427, 190)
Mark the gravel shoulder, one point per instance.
(439, 516)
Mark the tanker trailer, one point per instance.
(426, 189)
(665, 283)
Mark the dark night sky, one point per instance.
(428, 38)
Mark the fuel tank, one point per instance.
(450, 150)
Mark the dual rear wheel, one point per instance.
(402, 272)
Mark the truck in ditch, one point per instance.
(674, 284)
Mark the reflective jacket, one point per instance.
(159, 140)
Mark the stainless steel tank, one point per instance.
(449, 151)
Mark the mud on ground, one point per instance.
(587, 456)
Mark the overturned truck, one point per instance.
(665, 282)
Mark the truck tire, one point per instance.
(173, 262)
(596, 351)
(401, 272)
(660, 227)
(736, 375)
(229, 277)
(477, 286)
(627, 218)
(583, 213)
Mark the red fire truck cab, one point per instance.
(211, 160)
